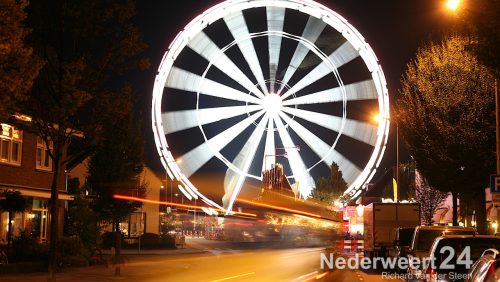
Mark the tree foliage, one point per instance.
(81, 220)
(19, 66)
(88, 47)
(430, 199)
(330, 188)
(446, 117)
(116, 166)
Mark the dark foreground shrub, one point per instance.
(108, 240)
(27, 248)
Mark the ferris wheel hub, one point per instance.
(272, 103)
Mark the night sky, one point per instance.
(393, 28)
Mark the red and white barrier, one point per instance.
(350, 244)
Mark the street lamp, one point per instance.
(453, 5)
(378, 118)
(168, 174)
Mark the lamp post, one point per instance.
(453, 6)
(378, 118)
(167, 176)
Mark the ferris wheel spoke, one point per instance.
(269, 148)
(311, 32)
(181, 120)
(344, 54)
(323, 150)
(193, 160)
(205, 47)
(238, 28)
(243, 162)
(275, 21)
(363, 90)
(188, 81)
(361, 131)
(300, 174)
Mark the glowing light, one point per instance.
(233, 277)
(182, 120)
(453, 4)
(164, 203)
(377, 118)
(321, 275)
(277, 208)
(205, 47)
(194, 37)
(312, 31)
(272, 103)
(275, 22)
(360, 209)
(238, 28)
(243, 161)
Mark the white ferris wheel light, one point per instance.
(272, 104)
(269, 104)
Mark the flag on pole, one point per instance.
(395, 188)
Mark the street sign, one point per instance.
(494, 183)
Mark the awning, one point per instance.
(40, 193)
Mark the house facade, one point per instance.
(25, 166)
(144, 220)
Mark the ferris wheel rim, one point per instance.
(312, 9)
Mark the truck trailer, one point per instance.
(380, 220)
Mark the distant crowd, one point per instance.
(349, 236)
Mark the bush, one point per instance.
(167, 241)
(27, 248)
(152, 240)
(108, 240)
(72, 246)
(72, 252)
(79, 261)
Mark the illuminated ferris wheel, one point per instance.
(246, 83)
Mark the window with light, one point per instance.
(43, 160)
(11, 140)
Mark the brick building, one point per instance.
(25, 166)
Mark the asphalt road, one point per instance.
(212, 261)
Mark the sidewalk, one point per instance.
(98, 273)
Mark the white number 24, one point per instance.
(463, 259)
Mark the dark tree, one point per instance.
(483, 26)
(88, 47)
(330, 188)
(81, 220)
(430, 199)
(115, 168)
(12, 202)
(446, 117)
(19, 66)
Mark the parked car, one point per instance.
(424, 236)
(402, 237)
(454, 255)
(484, 269)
